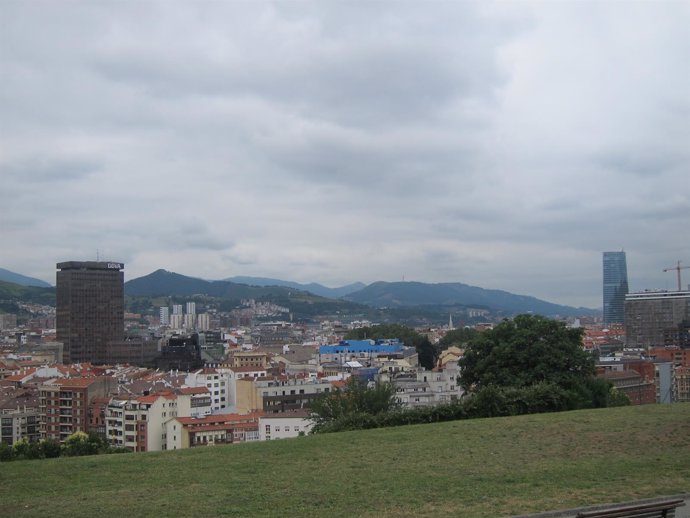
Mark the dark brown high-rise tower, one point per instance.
(90, 309)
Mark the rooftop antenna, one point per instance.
(98, 255)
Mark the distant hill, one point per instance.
(11, 292)
(408, 301)
(315, 288)
(22, 280)
(165, 283)
(302, 304)
(402, 294)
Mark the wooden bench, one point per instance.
(661, 509)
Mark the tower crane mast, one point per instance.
(677, 268)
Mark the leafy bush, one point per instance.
(490, 401)
(6, 452)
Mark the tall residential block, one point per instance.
(615, 287)
(90, 309)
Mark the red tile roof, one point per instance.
(248, 369)
(193, 390)
(209, 420)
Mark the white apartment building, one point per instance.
(176, 321)
(203, 322)
(138, 423)
(284, 426)
(217, 384)
(164, 313)
(427, 388)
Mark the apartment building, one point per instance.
(215, 381)
(19, 415)
(188, 432)
(274, 394)
(284, 426)
(64, 404)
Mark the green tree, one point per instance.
(426, 351)
(80, 443)
(50, 448)
(457, 337)
(529, 350)
(355, 399)
(6, 452)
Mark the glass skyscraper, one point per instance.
(615, 287)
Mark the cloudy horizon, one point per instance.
(499, 144)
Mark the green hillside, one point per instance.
(483, 467)
(400, 294)
(30, 294)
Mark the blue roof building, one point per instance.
(364, 347)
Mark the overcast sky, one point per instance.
(503, 145)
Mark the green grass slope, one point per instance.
(484, 467)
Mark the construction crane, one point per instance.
(677, 268)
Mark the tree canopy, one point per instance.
(524, 351)
(458, 337)
(355, 399)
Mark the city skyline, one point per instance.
(501, 145)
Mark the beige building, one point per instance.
(276, 394)
(188, 432)
(681, 384)
(139, 423)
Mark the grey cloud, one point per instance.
(642, 162)
(47, 170)
(500, 144)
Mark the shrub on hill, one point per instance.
(76, 445)
(489, 401)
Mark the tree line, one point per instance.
(76, 445)
(530, 364)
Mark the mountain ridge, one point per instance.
(379, 294)
(312, 287)
(22, 280)
(401, 294)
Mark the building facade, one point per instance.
(188, 432)
(615, 286)
(284, 426)
(90, 309)
(64, 405)
(657, 319)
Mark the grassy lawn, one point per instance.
(483, 467)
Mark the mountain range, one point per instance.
(165, 283)
(394, 295)
(313, 287)
(22, 280)
(401, 294)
